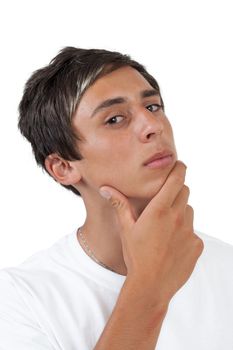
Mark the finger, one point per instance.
(172, 186)
(165, 197)
(181, 199)
(122, 207)
(189, 215)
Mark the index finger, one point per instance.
(172, 186)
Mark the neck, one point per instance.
(102, 232)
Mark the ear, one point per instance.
(63, 171)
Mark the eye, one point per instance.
(109, 121)
(113, 120)
(155, 108)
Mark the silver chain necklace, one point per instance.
(89, 252)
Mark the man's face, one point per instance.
(119, 138)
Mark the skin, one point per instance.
(114, 155)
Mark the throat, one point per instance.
(101, 256)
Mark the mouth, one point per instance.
(160, 160)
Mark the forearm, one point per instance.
(135, 322)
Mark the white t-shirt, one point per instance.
(61, 299)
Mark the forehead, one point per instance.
(125, 81)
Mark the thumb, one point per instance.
(121, 205)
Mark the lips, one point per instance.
(158, 155)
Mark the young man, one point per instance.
(135, 275)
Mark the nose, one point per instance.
(150, 124)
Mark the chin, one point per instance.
(145, 195)
(149, 191)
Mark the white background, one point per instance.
(186, 45)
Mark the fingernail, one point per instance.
(105, 194)
(184, 164)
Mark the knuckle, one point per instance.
(199, 244)
(161, 211)
(190, 209)
(187, 189)
(179, 219)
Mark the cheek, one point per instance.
(106, 151)
(113, 168)
(168, 126)
(104, 161)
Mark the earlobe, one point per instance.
(62, 170)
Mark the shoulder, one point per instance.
(20, 285)
(216, 259)
(19, 325)
(13, 306)
(215, 246)
(44, 265)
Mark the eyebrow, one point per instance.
(118, 100)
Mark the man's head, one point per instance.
(83, 149)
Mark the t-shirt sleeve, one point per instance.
(18, 328)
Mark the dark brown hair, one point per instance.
(51, 96)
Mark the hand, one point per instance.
(160, 248)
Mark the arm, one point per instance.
(135, 322)
(18, 328)
(160, 250)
